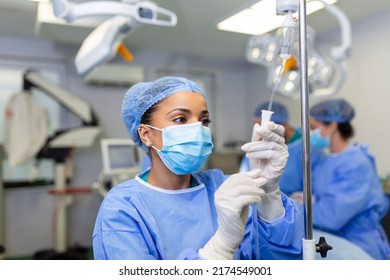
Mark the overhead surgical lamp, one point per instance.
(106, 40)
(103, 43)
(325, 75)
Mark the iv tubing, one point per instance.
(271, 100)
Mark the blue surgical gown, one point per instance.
(349, 200)
(139, 221)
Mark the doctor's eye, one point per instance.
(180, 120)
(205, 122)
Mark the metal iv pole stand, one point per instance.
(308, 243)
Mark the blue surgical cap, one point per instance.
(280, 114)
(335, 110)
(140, 97)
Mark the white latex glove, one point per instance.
(268, 152)
(231, 202)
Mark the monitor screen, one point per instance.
(120, 155)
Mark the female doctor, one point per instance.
(174, 211)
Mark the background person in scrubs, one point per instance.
(348, 198)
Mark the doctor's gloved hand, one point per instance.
(268, 152)
(231, 202)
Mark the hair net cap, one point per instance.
(335, 110)
(280, 114)
(141, 96)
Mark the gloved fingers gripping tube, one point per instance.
(273, 133)
(253, 148)
(268, 152)
(276, 128)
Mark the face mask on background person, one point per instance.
(317, 140)
(185, 147)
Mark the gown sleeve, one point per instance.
(282, 239)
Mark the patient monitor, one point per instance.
(122, 160)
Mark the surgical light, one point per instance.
(325, 74)
(106, 40)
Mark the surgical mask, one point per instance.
(317, 140)
(185, 147)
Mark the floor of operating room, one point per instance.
(73, 253)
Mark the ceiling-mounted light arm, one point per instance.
(343, 51)
(144, 11)
(106, 40)
(103, 43)
(338, 53)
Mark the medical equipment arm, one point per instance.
(69, 100)
(231, 202)
(106, 40)
(268, 152)
(143, 11)
(59, 146)
(83, 136)
(339, 53)
(103, 43)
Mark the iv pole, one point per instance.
(309, 247)
(283, 7)
(308, 243)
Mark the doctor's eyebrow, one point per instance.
(183, 110)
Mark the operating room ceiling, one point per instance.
(195, 34)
